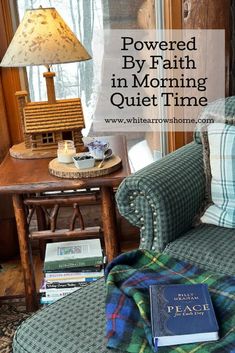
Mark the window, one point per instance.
(48, 137)
(88, 19)
(85, 18)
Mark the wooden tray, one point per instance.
(70, 171)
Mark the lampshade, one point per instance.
(43, 38)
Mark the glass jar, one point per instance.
(66, 151)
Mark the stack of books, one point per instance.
(69, 266)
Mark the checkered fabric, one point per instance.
(74, 324)
(208, 247)
(221, 110)
(221, 139)
(163, 198)
(128, 311)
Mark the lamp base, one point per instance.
(21, 152)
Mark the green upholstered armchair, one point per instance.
(162, 199)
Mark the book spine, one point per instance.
(74, 274)
(56, 285)
(69, 279)
(45, 300)
(65, 264)
(44, 290)
(78, 269)
(59, 293)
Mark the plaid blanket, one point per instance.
(128, 325)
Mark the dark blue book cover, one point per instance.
(182, 314)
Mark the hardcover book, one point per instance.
(74, 277)
(52, 275)
(78, 269)
(79, 253)
(58, 293)
(57, 285)
(44, 300)
(182, 314)
(46, 287)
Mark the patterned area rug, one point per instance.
(12, 313)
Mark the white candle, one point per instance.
(66, 154)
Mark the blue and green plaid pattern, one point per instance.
(128, 325)
(221, 139)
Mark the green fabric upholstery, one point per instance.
(207, 246)
(74, 324)
(164, 197)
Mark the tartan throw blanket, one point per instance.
(128, 325)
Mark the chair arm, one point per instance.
(163, 198)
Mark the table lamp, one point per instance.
(43, 38)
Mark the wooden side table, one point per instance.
(31, 177)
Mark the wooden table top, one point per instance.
(26, 176)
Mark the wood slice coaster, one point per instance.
(62, 170)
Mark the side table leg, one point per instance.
(42, 225)
(109, 222)
(25, 253)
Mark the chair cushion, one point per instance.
(221, 110)
(74, 324)
(219, 167)
(218, 151)
(208, 247)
